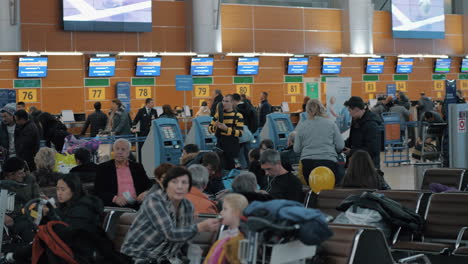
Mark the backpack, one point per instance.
(250, 117)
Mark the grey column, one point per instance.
(10, 34)
(357, 26)
(461, 7)
(203, 25)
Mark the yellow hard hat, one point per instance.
(321, 178)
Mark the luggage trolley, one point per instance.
(252, 251)
(396, 144)
(436, 132)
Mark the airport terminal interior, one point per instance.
(234, 131)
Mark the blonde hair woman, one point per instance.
(45, 162)
(318, 140)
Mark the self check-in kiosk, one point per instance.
(200, 135)
(164, 143)
(277, 128)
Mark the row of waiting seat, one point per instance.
(445, 215)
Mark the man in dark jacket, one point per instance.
(27, 138)
(364, 133)
(145, 115)
(98, 121)
(121, 182)
(218, 98)
(283, 184)
(7, 131)
(14, 170)
(263, 109)
(425, 104)
(251, 121)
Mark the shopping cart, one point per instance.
(395, 142)
(255, 250)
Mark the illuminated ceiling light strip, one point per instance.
(240, 54)
(145, 54)
(177, 54)
(61, 53)
(203, 55)
(19, 53)
(364, 56)
(103, 55)
(423, 56)
(276, 54)
(333, 55)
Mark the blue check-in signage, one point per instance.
(148, 67)
(32, 67)
(202, 66)
(247, 66)
(101, 67)
(298, 65)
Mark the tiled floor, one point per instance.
(402, 177)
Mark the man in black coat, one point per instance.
(145, 115)
(27, 138)
(97, 120)
(263, 109)
(121, 182)
(218, 98)
(364, 133)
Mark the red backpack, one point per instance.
(47, 236)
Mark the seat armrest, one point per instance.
(395, 236)
(460, 236)
(415, 257)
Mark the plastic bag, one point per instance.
(247, 136)
(64, 163)
(356, 215)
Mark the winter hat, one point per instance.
(13, 164)
(9, 108)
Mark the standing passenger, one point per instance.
(228, 128)
(263, 109)
(97, 120)
(318, 140)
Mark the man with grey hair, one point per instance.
(120, 181)
(246, 184)
(288, 156)
(201, 202)
(283, 184)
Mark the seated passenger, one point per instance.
(266, 144)
(164, 224)
(81, 212)
(288, 155)
(121, 182)
(233, 206)
(45, 162)
(14, 169)
(190, 155)
(361, 173)
(85, 168)
(201, 202)
(283, 184)
(211, 161)
(159, 174)
(255, 168)
(246, 184)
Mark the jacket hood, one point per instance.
(370, 117)
(92, 202)
(189, 157)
